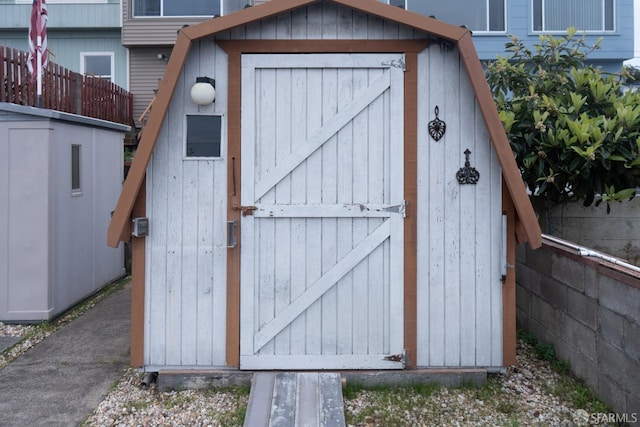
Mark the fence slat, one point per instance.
(101, 99)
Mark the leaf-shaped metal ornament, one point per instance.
(437, 127)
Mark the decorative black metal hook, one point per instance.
(437, 127)
(467, 174)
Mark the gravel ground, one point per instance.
(524, 396)
(529, 394)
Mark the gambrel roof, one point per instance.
(527, 225)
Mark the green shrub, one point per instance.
(574, 130)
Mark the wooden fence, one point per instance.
(63, 90)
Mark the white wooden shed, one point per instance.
(352, 201)
(60, 175)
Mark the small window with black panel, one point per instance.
(204, 136)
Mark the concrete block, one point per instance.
(523, 299)
(554, 293)
(633, 407)
(632, 340)
(619, 297)
(521, 253)
(528, 278)
(568, 271)
(445, 377)
(619, 367)
(611, 393)
(200, 380)
(546, 315)
(561, 347)
(582, 338)
(582, 308)
(538, 330)
(522, 320)
(610, 327)
(591, 281)
(539, 260)
(585, 369)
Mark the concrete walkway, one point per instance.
(60, 381)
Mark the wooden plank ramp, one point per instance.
(295, 399)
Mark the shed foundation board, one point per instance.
(203, 379)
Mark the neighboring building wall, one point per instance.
(616, 46)
(590, 311)
(145, 72)
(72, 29)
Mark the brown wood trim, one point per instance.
(510, 172)
(137, 283)
(509, 285)
(323, 46)
(411, 194)
(521, 235)
(119, 225)
(273, 8)
(233, 199)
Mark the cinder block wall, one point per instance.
(590, 310)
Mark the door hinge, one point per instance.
(396, 63)
(402, 357)
(401, 208)
(246, 210)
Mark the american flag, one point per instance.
(37, 38)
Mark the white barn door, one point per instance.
(322, 231)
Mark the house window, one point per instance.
(75, 169)
(476, 15)
(97, 64)
(204, 136)
(585, 15)
(143, 8)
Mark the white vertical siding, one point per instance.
(323, 21)
(185, 306)
(459, 288)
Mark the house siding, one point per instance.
(63, 16)
(152, 31)
(71, 30)
(616, 46)
(145, 70)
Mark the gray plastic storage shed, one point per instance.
(60, 177)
